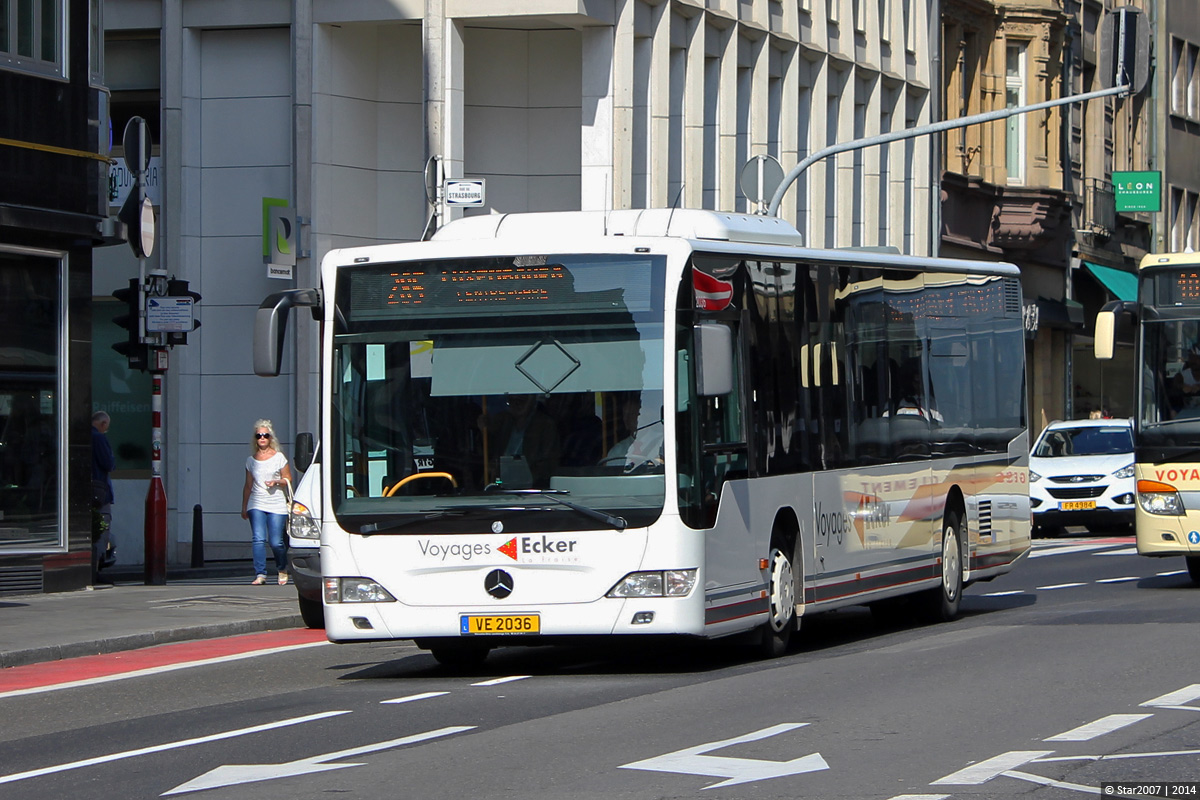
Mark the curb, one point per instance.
(136, 641)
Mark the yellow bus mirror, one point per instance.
(1106, 323)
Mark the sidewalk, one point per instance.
(194, 604)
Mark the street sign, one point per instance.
(465, 192)
(760, 178)
(168, 314)
(136, 142)
(138, 215)
(1124, 45)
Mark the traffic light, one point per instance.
(132, 348)
(178, 288)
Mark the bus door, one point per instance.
(724, 450)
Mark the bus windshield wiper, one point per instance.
(619, 523)
(375, 527)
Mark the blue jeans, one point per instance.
(263, 525)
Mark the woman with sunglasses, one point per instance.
(265, 501)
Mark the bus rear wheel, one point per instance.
(776, 634)
(941, 604)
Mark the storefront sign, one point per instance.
(1137, 191)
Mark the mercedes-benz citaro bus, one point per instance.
(543, 427)
(1166, 421)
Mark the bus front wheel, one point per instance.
(942, 602)
(1193, 567)
(776, 634)
(460, 656)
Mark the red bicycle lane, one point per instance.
(51, 675)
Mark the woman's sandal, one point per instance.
(283, 578)
(259, 581)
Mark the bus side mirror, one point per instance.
(270, 323)
(1106, 330)
(714, 360)
(303, 457)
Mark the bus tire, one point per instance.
(941, 603)
(776, 633)
(460, 656)
(1193, 567)
(312, 612)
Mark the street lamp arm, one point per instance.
(924, 130)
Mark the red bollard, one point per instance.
(156, 534)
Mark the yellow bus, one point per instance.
(1166, 425)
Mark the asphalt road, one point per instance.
(1079, 668)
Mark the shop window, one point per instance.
(32, 385)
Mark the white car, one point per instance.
(1081, 473)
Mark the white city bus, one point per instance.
(538, 427)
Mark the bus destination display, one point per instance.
(525, 284)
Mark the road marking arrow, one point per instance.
(234, 774)
(692, 761)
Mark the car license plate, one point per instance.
(1077, 505)
(500, 623)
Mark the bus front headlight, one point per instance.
(668, 583)
(1159, 498)
(355, 590)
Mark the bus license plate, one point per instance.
(500, 623)
(1077, 505)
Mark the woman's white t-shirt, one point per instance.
(274, 499)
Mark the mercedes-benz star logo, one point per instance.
(498, 583)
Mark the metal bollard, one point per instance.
(197, 536)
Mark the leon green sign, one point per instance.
(1137, 191)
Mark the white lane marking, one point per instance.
(1125, 551)
(1075, 787)
(233, 774)
(1177, 699)
(158, 748)
(1120, 580)
(693, 761)
(498, 681)
(1174, 572)
(1066, 549)
(1003, 594)
(139, 673)
(920, 797)
(1085, 733)
(412, 697)
(1059, 586)
(1119, 756)
(993, 767)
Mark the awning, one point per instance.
(1119, 283)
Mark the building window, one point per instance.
(32, 389)
(1185, 82)
(1014, 95)
(33, 36)
(1184, 220)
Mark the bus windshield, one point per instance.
(480, 390)
(1170, 381)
